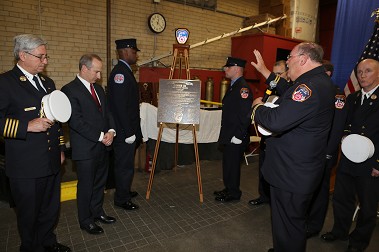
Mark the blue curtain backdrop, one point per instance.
(352, 30)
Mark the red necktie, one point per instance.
(94, 96)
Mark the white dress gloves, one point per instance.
(235, 140)
(130, 140)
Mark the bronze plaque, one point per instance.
(179, 101)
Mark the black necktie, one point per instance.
(364, 99)
(39, 87)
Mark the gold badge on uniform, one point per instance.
(22, 78)
(373, 97)
(30, 109)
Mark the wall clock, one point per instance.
(157, 22)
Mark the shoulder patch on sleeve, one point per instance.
(340, 101)
(244, 93)
(301, 93)
(119, 78)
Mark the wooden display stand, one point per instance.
(182, 52)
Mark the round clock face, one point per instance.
(157, 22)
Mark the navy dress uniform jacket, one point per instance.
(28, 154)
(123, 93)
(362, 120)
(235, 110)
(295, 156)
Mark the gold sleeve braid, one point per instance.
(10, 128)
(254, 109)
(61, 140)
(277, 78)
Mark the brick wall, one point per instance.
(75, 27)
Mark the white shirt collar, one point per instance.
(85, 83)
(369, 93)
(88, 86)
(29, 76)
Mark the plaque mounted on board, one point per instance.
(179, 101)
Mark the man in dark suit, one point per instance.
(34, 146)
(91, 131)
(359, 180)
(295, 154)
(235, 123)
(123, 93)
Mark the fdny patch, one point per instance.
(119, 78)
(340, 101)
(244, 93)
(301, 93)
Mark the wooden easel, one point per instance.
(183, 52)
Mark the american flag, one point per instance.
(370, 52)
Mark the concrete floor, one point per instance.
(173, 219)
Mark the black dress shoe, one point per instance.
(223, 192)
(105, 219)
(128, 205)
(92, 228)
(311, 234)
(57, 247)
(257, 201)
(226, 198)
(353, 249)
(133, 194)
(330, 237)
(271, 250)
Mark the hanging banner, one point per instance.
(304, 19)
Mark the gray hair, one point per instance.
(26, 43)
(313, 50)
(86, 60)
